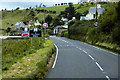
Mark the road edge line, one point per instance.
(55, 56)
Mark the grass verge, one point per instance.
(32, 66)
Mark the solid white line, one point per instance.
(107, 77)
(99, 66)
(55, 57)
(91, 57)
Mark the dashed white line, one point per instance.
(55, 57)
(107, 77)
(84, 51)
(99, 66)
(91, 57)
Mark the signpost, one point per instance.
(35, 33)
(45, 25)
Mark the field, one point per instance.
(20, 58)
(12, 17)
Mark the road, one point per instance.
(75, 59)
(4, 37)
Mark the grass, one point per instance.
(15, 49)
(9, 17)
(33, 65)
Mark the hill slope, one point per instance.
(12, 17)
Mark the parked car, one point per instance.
(24, 34)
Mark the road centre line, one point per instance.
(55, 57)
(108, 77)
(99, 66)
(91, 57)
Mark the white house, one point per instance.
(64, 19)
(37, 23)
(19, 25)
(56, 31)
(92, 13)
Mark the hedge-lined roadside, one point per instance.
(33, 65)
(105, 45)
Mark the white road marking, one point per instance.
(107, 77)
(55, 57)
(84, 51)
(80, 48)
(91, 57)
(99, 66)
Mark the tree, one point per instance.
(70, 11)
(62, 3)
(5, 9)
(30, 7)
(8, 30)
(77, 15)
(55, 4)
(40, 5)
(48, 19)
(2, 9)
(17, 8)
(44, 5)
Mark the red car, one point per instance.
(26, 34)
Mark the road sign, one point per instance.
(35, 33)
(45, 25)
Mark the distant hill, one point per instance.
(10, 18)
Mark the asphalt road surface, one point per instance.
(78, 60)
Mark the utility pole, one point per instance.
(44, 27)
(96, 11)
(96, 18)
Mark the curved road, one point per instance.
(78, 60)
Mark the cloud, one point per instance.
(39, 0)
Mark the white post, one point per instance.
(39, 41)
(31, 42)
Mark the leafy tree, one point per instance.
(77, 15)
(17, 8)
(30, 7)
(8, 30)
(44, 5)
(48, 19)
(55, 4)
(62, 3)
(70, 11)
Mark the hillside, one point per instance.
(12, 17)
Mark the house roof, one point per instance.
(99, 10)
(18, 23)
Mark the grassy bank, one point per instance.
(32, 65)
(15, 49)
(90, 34)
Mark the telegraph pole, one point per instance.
(44, 27)
(96, 11)
(96, 18)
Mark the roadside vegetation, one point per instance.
(106, 35)
(20, 60)
(11, 17)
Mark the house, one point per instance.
(92, 13)
(31, 23)
(64, 19)
(59, 29)
(19, 26)
(37, 23)
(26, 28)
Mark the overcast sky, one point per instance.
(39, 0)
